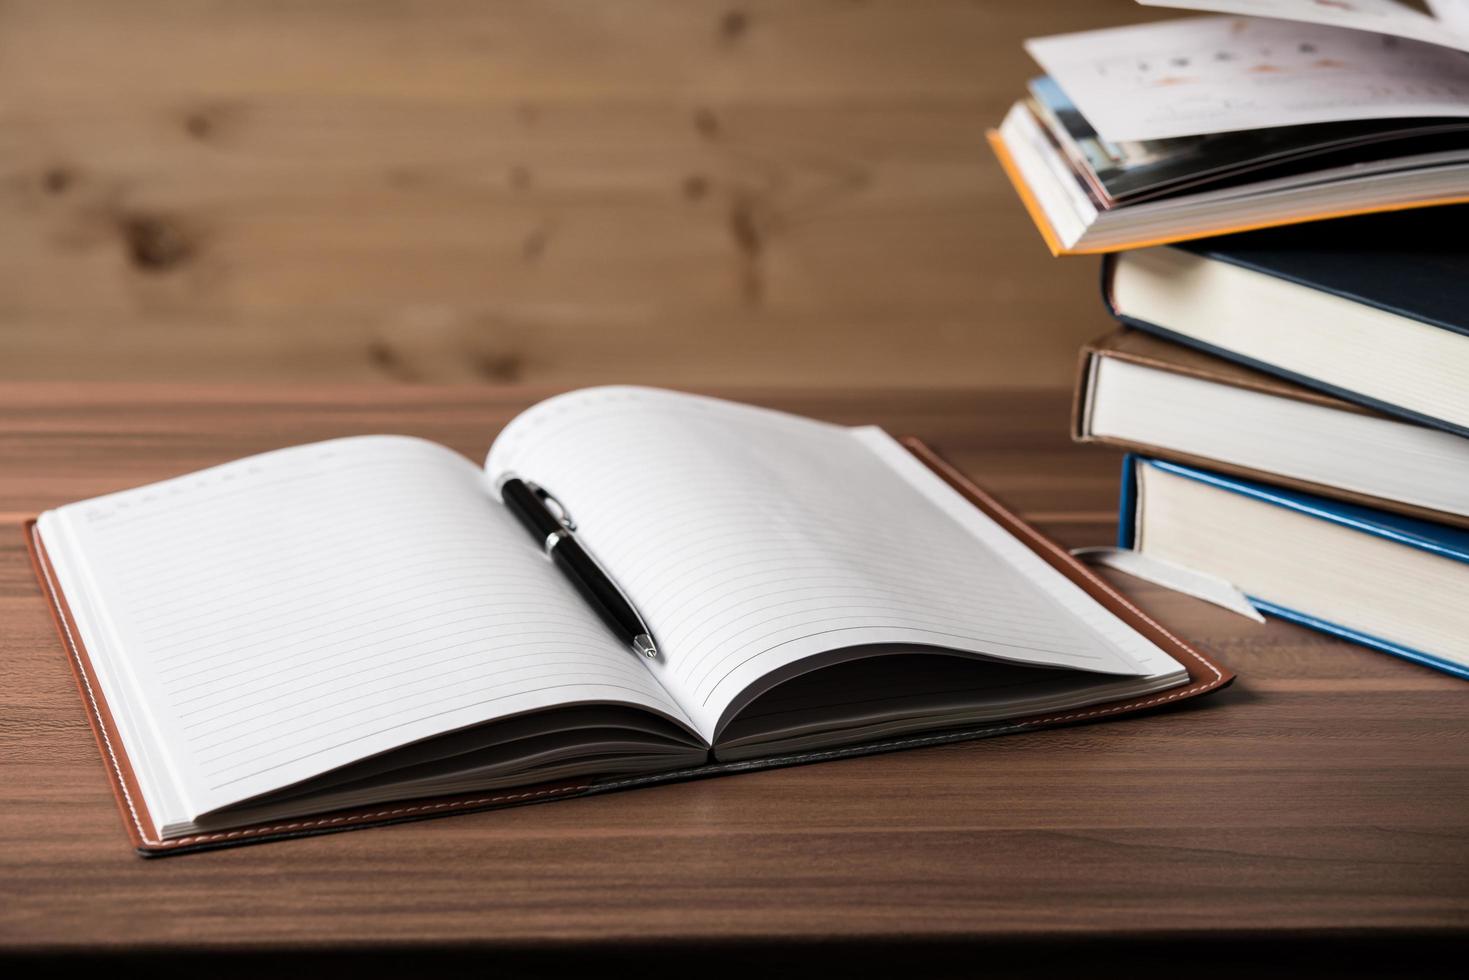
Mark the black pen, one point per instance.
(548, 523)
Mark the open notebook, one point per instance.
(289, 642)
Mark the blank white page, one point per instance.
(276, 617)
(751, 539)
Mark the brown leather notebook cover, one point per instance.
(1137, 347)
(1204, 675)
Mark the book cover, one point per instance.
(1412, 264)
(1437, 539)
(1149, 350)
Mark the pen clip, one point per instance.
(554, 506)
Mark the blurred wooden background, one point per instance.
(569, 191)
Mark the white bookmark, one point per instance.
(1200, 585)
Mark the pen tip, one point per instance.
(643, 643)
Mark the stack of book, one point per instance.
(1294, 400)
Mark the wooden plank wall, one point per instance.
(664, 191)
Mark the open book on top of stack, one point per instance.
(1202, 126)
(358, 631)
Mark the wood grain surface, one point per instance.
(666, 191)
(1323, 798)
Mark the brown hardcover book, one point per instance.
(357, 632)
(1138, 392)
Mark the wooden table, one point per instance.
(1319, 807)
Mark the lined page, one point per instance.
(289, 613)
(751, 539)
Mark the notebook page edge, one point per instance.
(1137, 650)
(151, 770)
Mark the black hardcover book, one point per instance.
(1372, 309)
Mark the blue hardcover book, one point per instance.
(1395, 583)
(1374, 309)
